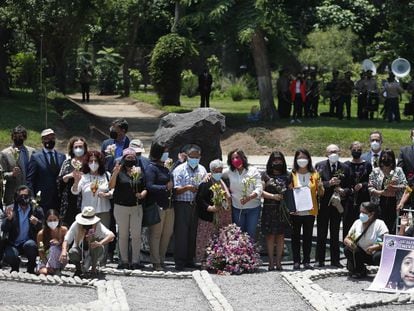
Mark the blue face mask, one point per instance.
(363, 217)
(164, 156)
(193, 162)
(217, 176)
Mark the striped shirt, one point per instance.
(184, 175)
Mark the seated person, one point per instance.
(363, 242)
(49, 241)
(88, 236)
(22, 222)
(254, 115)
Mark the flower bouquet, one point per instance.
(196, 180)
(110, 150)
(277, 186)
(135, 176)
(16, 154)
(388, 180)
(232, 252)
(77, 164)
(94, 186)
(169, 163)
(219, 201)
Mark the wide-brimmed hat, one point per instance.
(137, 145)
(88, 216)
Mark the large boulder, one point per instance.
(202, 126)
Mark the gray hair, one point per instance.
(215, 164)
(193, 147)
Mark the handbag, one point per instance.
(290, 200)
(151, 214)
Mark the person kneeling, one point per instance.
(363, 242)
(89, 236)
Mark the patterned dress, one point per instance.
(274, 220)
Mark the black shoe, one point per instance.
(307, 266)
(137, 266)
(78, 273)
(123, 265)
(337, 264)
(296, 266)
(179, 267)
(319, 265)
(191, 265)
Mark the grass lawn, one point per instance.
(313, 134)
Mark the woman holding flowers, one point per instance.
(275, 215)
(92, 183)
(246, 191)
(386, 186)
(70, 204)
(129, 192)
(159, 187)
(304, 176)
(213, 207)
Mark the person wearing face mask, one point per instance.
(129, 195)
(187, 178)
(21, 224)
(245, 185)
(363, 241)
(372, 156)
(211, 217)
(304, 175)
(15, 162)
(49, 242)
(87, 237)
(336, 179)
(386, 186)
(360, 171)
(70, 204)
(275, 216)
(117, 137)
(44, 167)
(159, 186)
(406, 159)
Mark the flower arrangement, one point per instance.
(278, 186)
(16, 153)
(136, 173)
(110, 150)
(77, 164)
(339, 174)
(388, 180)
(219, 201)
(232, 252)
(169, 163)
(248, 183)
(36, 200)
(94, 186)
(196, 179)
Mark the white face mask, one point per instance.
(93, 166)
(78, 152)
(52, 224)
(333, 158)
(302, 162)
(164, 156)
(375, 145)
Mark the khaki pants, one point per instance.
(160, 235)
(129, 221)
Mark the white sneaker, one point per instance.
(292, 121)
(299, 121)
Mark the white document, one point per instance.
(303, 199)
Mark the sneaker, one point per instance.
(298, 121)
(292, 121)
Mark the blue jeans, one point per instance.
(247, 219)
(28, 248)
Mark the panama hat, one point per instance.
(87, 216)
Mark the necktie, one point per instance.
(52, 161)
(376, 159)
(333, 169)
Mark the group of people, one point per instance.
(82, 197)
(303, 92)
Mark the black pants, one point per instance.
(333, 105)
(297, 107)
(185, 233)
(345, 100)
(284, 106)
(85, 91)
(351, 213)
(388, 213)
(313, 103)
(361, 102)
(328, 217)
(357, 260)
(393, 109)
(205, 99)
(299, 222)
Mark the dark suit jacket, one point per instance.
(110, 160)
(367, 156)
(42, 178)
(406, 162)
(324, 169)
(204, 83)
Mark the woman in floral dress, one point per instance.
(275, 216)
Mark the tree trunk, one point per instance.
(264, 81)
(130, 55)
(178, 13)
(4, 79)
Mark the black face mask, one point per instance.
(18, 142)
(387, 162)
(277, 166)
(130, 163)
(113, 134)
(49, 144)
(23, 199)
(356, 154)
(87, 227)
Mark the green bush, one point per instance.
(189, 84)
(107, 69)
(23, 70)
(236, 88)
(166, 65)
(136, 79)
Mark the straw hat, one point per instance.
(87, 217)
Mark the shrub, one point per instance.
(108, 65)
(23, 70)
(189, 83)
(238, 89)
(136, 79)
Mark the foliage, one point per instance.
(107, 70)
(136, 79)
(238, 89)
(23, 70)
(167, 60)
(329, 49)
(190, 83)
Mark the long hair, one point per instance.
(72, 141)
(386, 154)
(242, 156)
(395, 280)
(307, 154)
(99, 158)
(273, 156)
(47, 236)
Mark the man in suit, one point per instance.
(205, 80)
(335, 176)
(117, 134)
(44, 167)
(406, 159)
(372, 156)
(15, 162)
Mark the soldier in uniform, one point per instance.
(312, 92)
(345, 86)
(361, 96)
(332, 88)
(371, 88)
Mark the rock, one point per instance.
(50, 279)
(42, 278)
(14, 275)
(78, 280)
(202, 126)
(58, 279)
